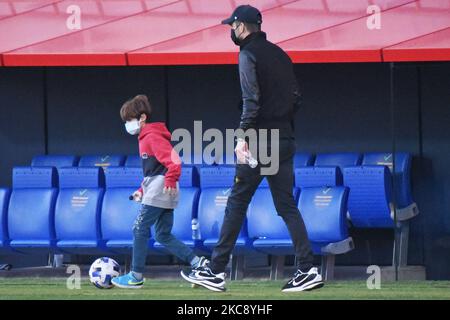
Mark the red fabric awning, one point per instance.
(285, 22)
(10, 8)
(354, 42)
(171, 32)
(48, 23)
(432, 47)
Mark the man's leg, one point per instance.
(281, 186)
(246, 182)
(212, 276)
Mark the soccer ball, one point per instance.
(102, 271)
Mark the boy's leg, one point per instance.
(141, 232)
(163, 229)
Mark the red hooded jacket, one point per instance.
(157, 154)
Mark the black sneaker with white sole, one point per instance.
(203, 276)
(304, 281)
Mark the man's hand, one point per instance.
(241, 151)
(137, 196)
(172, 191)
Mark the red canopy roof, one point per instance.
(170, 32)
(435, 47)
(353, 41)
(12, 8)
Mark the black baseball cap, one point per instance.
(245, 13)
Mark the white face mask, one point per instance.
(133, 127)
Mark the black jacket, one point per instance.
(270, 92)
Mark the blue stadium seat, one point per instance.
(307, 177)
(300, 160)
(303, 160)
(216, 183)
(340, 160)
(4, 202)
(189, 177)
(321, 195)
(133, 161)
(211, 213)
(402, 180)
(323, 207)
(267, 229)
(118, 212)
(374, 204)
(77, 212)
(324, 212)
(371, 197)
(57, 161)
(266, 226)
(31, 209)
(185, 211)
(102, 161)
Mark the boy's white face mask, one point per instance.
(133, 127)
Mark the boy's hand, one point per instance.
(171, 190)
(137, 196)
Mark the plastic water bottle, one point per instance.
(195, 229)
(58, 260)
(252, 162)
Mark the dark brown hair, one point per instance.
(135, 107)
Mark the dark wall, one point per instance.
(83, 107)
(346, 108)
(433, 187)
(22, 132)
(210, 94)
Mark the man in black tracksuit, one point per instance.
(270, 98)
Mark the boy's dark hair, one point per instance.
(135, 107)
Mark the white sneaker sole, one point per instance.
(200, 283)
(126, 287)
(315, 284)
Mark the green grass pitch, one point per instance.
(56, 289)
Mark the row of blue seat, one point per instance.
(26, 179)
(91, 212)
(370, 205)
(340, 160)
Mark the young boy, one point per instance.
(158, 192)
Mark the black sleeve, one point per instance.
(297, 96)
(250, 90)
